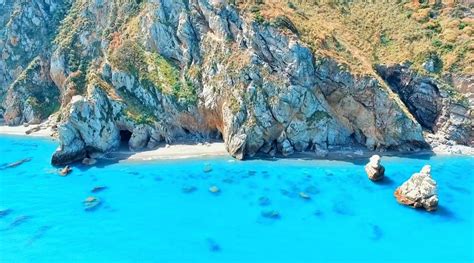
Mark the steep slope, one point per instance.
(26, 31)
(243, 72)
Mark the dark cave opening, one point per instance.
(125, 136)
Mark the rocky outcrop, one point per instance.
(89, 128)
(257, 86)
(420, 94)
(420, 191)
(447, 117)
(205, 69)
(375, 171)
(33, 96)
(26, 31)
(377, 119)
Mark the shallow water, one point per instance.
(163, 211)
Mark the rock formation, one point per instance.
(65, 171)
(91, 203)
(375, 171)
(162, 71)
(419, 191)
(450, 119)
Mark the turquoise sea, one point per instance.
(162, 211)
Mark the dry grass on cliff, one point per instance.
(362, 33)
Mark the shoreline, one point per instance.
(22, 130)
(190, 149)
(177, 151)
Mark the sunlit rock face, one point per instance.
(420, 191)
(375, 171)
(170, 70)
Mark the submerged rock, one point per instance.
(272, 214)
(189, 189)
(420, 191)
(213, 245)
(91, 203)
(207, 168)
(264, 201)
(375, 171)
(98, 189)
(304, 195)
(214, 189)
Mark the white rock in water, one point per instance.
(374, 170)
(419, 191)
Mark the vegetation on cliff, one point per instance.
(264, 75)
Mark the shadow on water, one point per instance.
(442, 212)
(38, 234)
(386, 181)
(445, 213)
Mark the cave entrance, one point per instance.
(125, 136)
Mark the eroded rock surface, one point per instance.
(449, 118)
(171, 70)
(375, 171)
(420, 191)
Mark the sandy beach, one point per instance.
(182, 150)
(179, 151)
(22, 130)
(173, 151)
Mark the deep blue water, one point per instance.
(145, 215)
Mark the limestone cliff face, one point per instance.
(26, 31)
(165, 70)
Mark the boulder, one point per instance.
(420, 191)
(207, 168)
(214, 189)
(32, 130)
(140, 138)
(89, 161)
(375, 171)
(65, 171)
(91, 203)
(89, 129)
(305, 196)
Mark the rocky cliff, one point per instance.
(167, 70)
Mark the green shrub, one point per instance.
(153, 71)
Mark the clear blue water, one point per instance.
(146, 217)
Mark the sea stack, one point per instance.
(374, 170)
(419, 191)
